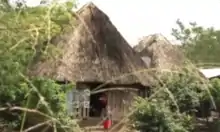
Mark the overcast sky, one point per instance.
(137, 18)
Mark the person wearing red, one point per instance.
(108, 120)
(107, 124)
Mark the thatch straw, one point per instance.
(160, 52)
(94, 51)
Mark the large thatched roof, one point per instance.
(93, 51)
(157, 51)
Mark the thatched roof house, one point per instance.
(94, 51)
(157, 51)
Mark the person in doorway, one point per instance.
(108, 120)
(103, 103)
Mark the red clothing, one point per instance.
(107, 124)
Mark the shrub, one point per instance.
(171, 105)
(215, 92)
(155, 116)
(182, 91)
(22, 30)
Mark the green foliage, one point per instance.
(67, 124)
(54, 94)
(181, 91)
(201, 45)
(50, 98)
(215, 91)
(155, 116)
(23, 34)
(172, 104)
(4, 5)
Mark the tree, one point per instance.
(201, 45)
(20, 3)
(155, 116)
(215, 92)
(4, 4)
(172, 104)
(21, 32)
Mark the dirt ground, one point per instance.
(95, 125)
(204, 125)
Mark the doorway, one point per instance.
(96, 105)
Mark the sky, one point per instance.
(137, 18)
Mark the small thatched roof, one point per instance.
(157, 51)
(94, 52)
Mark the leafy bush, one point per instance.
(155, 116)
(171, 105)
(215, 91)
(210, 99)
(22, 31)
(182, 91)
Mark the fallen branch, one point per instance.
(37, 126)
(25, 110)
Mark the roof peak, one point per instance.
(93, 51)
(90, 3)
(157, 37)
(87, 5)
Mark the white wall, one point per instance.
(209, 73)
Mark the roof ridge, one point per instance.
(88, 4)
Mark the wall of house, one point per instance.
(120, 98)
(80, 103)
(69, 103)
(120, 102)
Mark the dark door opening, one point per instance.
(96, 105)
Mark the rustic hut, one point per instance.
(95, 55)
(157, 51)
